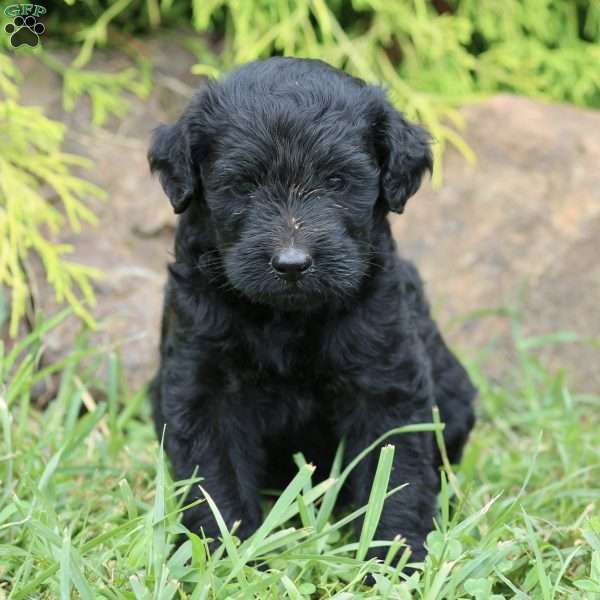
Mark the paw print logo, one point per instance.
(24, 31)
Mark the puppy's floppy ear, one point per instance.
(170, 155)
(404, 154)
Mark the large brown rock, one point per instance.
(518, 229)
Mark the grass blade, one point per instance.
(543, 579)
(376, 500)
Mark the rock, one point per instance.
(519, 229)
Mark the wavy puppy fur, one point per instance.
(289, 320)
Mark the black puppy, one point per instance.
(289, 320)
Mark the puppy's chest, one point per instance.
(280, 373)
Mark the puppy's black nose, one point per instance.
(291, 263)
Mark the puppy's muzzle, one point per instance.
(291, 263)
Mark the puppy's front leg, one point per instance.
(205, 434)
(409, 512)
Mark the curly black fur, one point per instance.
(289, 153)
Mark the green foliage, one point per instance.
(35, 179)
(545, 48)
(107, 89)
(87, 511)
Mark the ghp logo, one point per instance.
(25, 28)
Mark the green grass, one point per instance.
(88, 510)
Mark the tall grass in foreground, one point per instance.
(87, 508)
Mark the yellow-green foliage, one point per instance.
(104, 90)
(35, 179)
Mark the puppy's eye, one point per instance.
(336, 182)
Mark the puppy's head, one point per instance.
(294, 163)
